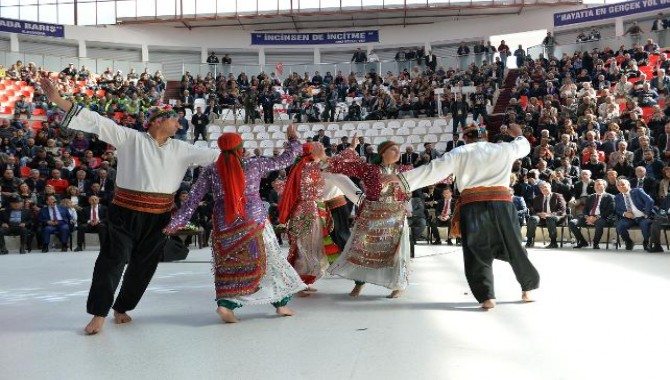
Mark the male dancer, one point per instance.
(150, 169)
(487, 222)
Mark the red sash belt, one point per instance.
(477, 194)
(154, 203)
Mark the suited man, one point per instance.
(455, 143)
(344, 144)
(81, 183)
(186, 100)
(362, 147)
(444, 210)
(54, 219)
(91, 219)
(323, 139)
(548, 211)
(409, 157)
(581, 190)
(520, 207)
(12, 165)
(643, 181)
(653, 165)
(635, 207)
(15, 221)
(106, 183)
(664, 143)
(199, 121)
(598, 213)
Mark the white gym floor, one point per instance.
(598, 315)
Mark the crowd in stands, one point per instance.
(588, 116)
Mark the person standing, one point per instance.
(199, 121)
(150, 169)
(505, 52)
(485, 216)
(549, 42)
(520, 55)
(248, 265)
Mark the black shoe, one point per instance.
(552, 245)
(458, 241)
(436, 242)
(78, 249)
(22, 251)
(449, 242)
(530, 243)
(655, 248)
(3, 251)
(581, 244)
(63, 248)
(45, 248)
(645, 244)
(629, 245)
(596, 246)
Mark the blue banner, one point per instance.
(609, 11)
(356, 37)
(31, 27)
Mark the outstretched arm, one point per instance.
(202, 186)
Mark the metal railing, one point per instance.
(57, 63)
(661, 37)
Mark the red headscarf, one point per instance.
(289, 197)
(229, 166)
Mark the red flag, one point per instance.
(280, 68)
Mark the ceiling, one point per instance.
(345, 18)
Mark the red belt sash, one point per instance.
(477, 194)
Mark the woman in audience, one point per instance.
(248, 266)
(367, 257)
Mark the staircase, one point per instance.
(498, 114)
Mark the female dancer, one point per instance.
(309, 222)
(248, 266)
(378, 250)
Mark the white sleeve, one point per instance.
(200, 156)
(437, 170)
(344, 183)
(82, 119)
(520, 147)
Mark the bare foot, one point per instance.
(488, 304)
(226, 315)
(285, 311)
(526, 297)
(95, 326)
(356, 291)
(395, 294)
(304, 293)
(121, 317)
(311, 289)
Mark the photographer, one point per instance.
(330, 103)
(354, 112)
(312, 112)
(250, 101)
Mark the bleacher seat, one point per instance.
(413, 139)
(435, 129)
(258, 128)
(248, 136)
(214, 136)
(441, 146)
(398, 140)
(439, 123)
(213, 144)
(379, 139)
(348, 127)
(386, 132)
(363, 126)
(201, 143)
(430, 138)
(213, 128)
(419, 130)
(378, 125)
(267, 144)
(331, 127)
(278, 135)
(395, 124)
(229, 128)
(372, 132)
(250, 144)
(403, 131)
(409, 124)
(279, 143)
(304, 128)
(425, 123)
(244, 129)
(274, 128)
(339, 134)
(268, 152)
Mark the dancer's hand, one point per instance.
(389, 179)
(292, 133)
(319, 152)
(51, 92)
(354, 141)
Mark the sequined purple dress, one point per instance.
(248, 265)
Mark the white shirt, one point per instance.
(637, 213)
(339, 184)
(143, 165)
(476, 164)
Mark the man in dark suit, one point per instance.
(91, 219)
(409, 157)
(106, 184)
(344, 144)
(581, 190)
(653, 165)
(323, 139)
(362, 147)
(664, 143)
(199, 121)
(635, 207)
(548, 211)
(186, 100)
(444, 210)
(455, 143)
(644, 182)
(81, 183)
(54, 219)
(598, 213)
(15, 221)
